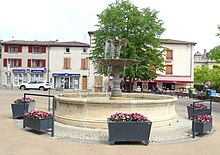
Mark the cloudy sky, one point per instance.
(70, 20)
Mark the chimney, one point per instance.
(205, 53)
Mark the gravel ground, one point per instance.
(181, 131)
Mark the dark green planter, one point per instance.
(37, 124)
(18, 109)
(197, 111)
(202, 127)
(129, 131)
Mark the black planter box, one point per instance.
(197, 111)
(18, 109)
(37, 124)
(129, 131)
(202, 127)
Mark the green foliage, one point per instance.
(140, 28)
(215, 54)
(201, 75)
(205, 75)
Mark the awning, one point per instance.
(174, 79)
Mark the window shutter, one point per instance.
(19, 62)
(169, 54)
(20, 49)
(6, 48)
(43, 63)
(5, 63)
(82, 64)
(86, 63)
(29, 62)
(169, 69)
(29, 49)
(64, 63)
(68, 63)
(43, 49)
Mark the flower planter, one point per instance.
(18, 109)
(202, 127)
(129, 131)
(37, 124)
(197, 111)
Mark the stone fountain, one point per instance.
(91, 110)
(117, 65)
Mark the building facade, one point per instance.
(179, 67)
(63, 64)
(202, 59)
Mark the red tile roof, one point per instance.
(166, 41)
(46, 43)
(171, 41)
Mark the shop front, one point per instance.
(173, 82)
(19, 76)
(66, 81)
(37, 74)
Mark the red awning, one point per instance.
(174, 79)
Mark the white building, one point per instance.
(179, 67)
(58, 62)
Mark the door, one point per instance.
(66, 86)
(84, 83)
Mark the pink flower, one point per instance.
(38, 114)
(22, 100)
(203, 118)
(198, 105)
(125, 117)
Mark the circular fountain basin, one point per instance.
(91, 110)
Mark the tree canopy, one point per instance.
(202, 75)
(140, 28)
(208, 76)
(215, 52)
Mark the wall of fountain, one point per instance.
(91, 110)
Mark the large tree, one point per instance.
(202, 75)
(208, 76)
(140, 28)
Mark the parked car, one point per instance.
(40, 85)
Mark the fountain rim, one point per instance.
(131, 100)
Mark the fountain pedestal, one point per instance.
(116, 90)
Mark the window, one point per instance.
(36, 63)
(169, 54)
(84, 63)
(37, 49)
(66, 64)
(13, 48)
(67, 49)
(169, 69)
(12, 62)
(84, 50)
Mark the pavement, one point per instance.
(173, 140)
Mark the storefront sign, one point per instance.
(66, 74)
(37, 71)
(18, 70)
